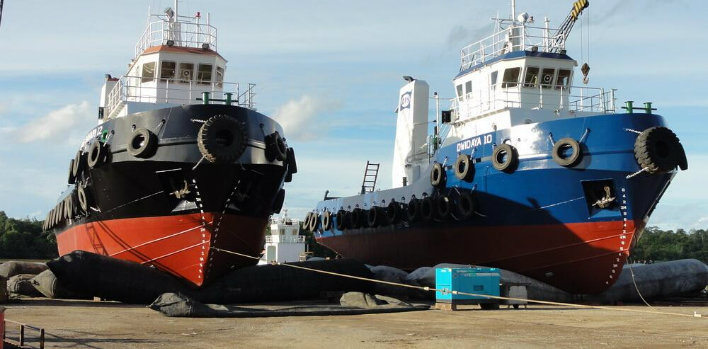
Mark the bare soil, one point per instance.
(86, 324)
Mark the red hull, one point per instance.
(577, 257)
(180, 244)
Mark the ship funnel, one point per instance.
(410, 149)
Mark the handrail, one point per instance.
(285, 238)
(21, 341)
(183, 32)
(512, 38)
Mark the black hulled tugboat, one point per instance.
(179, 164)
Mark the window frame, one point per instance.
(509, 83)
(566, 84)
(147, 77)
(162, 71)
(532, 84)
(181, 78)
(200, 73)
(552, 79)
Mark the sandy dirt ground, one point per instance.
(86, 324)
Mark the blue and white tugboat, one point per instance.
(525, 172)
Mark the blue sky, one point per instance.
(330, 72)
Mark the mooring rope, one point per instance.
(431, 289)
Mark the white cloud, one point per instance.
(299, 118)
(56, 125)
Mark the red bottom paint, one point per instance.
(581, 258)
(180, 244)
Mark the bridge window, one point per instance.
(468, 89)
(186, 70)
(219, 76)
(168, 70)
(460, 93)
(493, 78)
(148, 72)
(563, 78)
(511, 77)
(204, 74)
(547, 77)
(531, 79)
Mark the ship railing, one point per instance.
(571, 99)
(285, 238)
(172, 91)
(182, 31)
(513, 38)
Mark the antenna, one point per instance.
(513, 9)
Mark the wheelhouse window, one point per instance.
(168, 70)
(563, 79)
(186, 71)
(148, 73)
(460, 93)
(204, 74)
(493, 78)
(531, 78)
(468, 89)
(219, 76)
(547, 77)
(511, 77)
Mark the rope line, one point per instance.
(426, 288)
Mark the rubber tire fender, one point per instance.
(326, 220)
(659, 150)
(340, 219)
(465, 205)
(464, 168)
(427, 208)
(84, 194)
(142, 143)
(275, 147)
(575, 156)
(97, 154)
(506, 163)
(79, 164)
(356, 218)
(393, 212)
(437, 175)
(442, 207)
(373, 217)
(314, 222)
(222, 139)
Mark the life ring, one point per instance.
(658, 150)
(142, 143)
(560, 148)
(340, 220)
(437, 175)
(393, 212)
(275, 147)
(464, 168)
(356, 218)
(97, 154)
(326, 220)
(465, 206)
(413, 210)
(427, 208)
(442, 207)
(505, 158)
(278, 201)
(84, 194)
(222, 139)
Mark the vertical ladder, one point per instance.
(370, 174)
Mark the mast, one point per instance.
(1, 1)
(513, 9)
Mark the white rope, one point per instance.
(425, 288)
(636, 287)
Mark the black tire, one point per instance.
(442, 207)
(314, 222)
(465, 206)
(373, 217)
(85, 201)
(275, 147)
(222, 139)
(427, 208)
(292, 164)
(72, 177)
(356, 218)
(326, 220)
(413, 210)
(464, 168)
(505, 158)
(142, 143)
(278, 202)
(393, 212)
(341, 220)
(69, 207)
(437, 175)
(659, 150)
(559, 149)
(78, 164)
(96, 155)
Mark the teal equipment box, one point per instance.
(470, 280)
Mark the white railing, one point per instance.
(182, 31)
(571, 99)
(285, 238)
(514, 38)
(170, 91)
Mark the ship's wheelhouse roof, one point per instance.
(513, 55)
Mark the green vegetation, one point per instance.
(23, 238)
(666, 245)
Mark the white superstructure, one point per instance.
(284, 244)
(176, 62)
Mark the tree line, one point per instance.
(24, 239)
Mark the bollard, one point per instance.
(205, 97)
(629, 106)
(228, 98)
